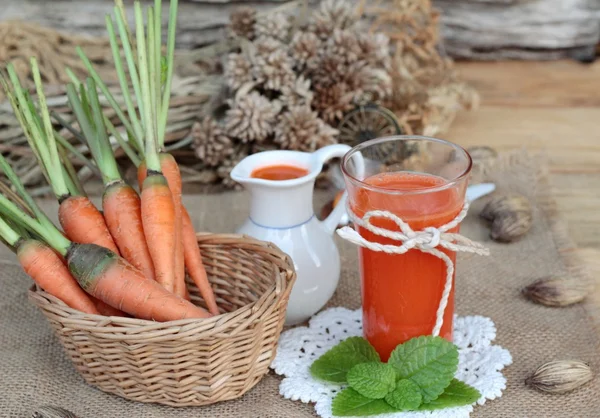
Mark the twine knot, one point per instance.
(426, 240)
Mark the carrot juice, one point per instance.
(401, 292)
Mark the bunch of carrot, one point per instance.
(130, 258)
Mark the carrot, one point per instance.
(83, 223)
(158, 218)
(120, 202)
(45, 267)
(115, 281)
(170, 170)
(191, 251)
(122, 210)
(103, 274)
(193, 262)
(79, 218)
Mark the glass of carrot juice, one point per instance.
(423, 181)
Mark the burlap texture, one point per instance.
(34, 371)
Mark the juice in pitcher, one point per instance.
(401, 292)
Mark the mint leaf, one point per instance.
(350, 403)
(456, 394)
(406, 397)
(373, 380)
(428, 361)
(335, 363)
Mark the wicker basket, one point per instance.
(188, 362)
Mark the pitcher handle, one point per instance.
(323, 155)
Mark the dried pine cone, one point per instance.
(275, 71)
(224, 170)
(305, 50)
(344, 45)
(263, 47)
(331, 15)
(274, 25)
(369, 84)
(241, 22)
(332, 102)
(331, 69)
(297, 93)
(297, 129)
(211, 144)
(375, 49)
(238, 71)
(251, 117)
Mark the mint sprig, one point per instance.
(373, 380)
(430, 362)
(335, 363)
(406, 397)
(418, 376)
(456, 394)
(350, 403)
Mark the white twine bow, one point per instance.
(426, 240)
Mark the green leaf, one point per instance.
(373, 380)
(335, 363)
(430, 362)
(406, 397)
(350, 403)
(456, 394)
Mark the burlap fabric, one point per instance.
(34, 371)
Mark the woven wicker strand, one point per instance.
(188, 362)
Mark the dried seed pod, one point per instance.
(554, 291)
(511, 217)
(502, 204)
(560, 376)
(48, 411)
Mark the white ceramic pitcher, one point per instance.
(281, 212)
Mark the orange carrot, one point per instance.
(113, 280)
(170, 170)
(122, 212)
(105, 309)
(193, 262)
(158, 219)
(46, 268)
(192, 255)
(83, 223)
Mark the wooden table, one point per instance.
(552, 107)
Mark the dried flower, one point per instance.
(211, 144)
(560, 376)
(511, 217)
(251, 117)
(297, 129)
(274, 25)
(330, 70)
(554, 291)
(326, 135)
(275, 71)
(305, 48)
(238, 71)
(333, 101)
(369, 84)
(241, 22)
(374, 49)
(331, 15)
(297, 93)
(344, 45)
(265, 46)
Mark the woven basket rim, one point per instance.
(225, 324)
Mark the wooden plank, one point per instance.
(539, 84)
(570, 136)
(199, 23)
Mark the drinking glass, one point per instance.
(423, 181)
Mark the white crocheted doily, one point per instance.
(480, 362)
